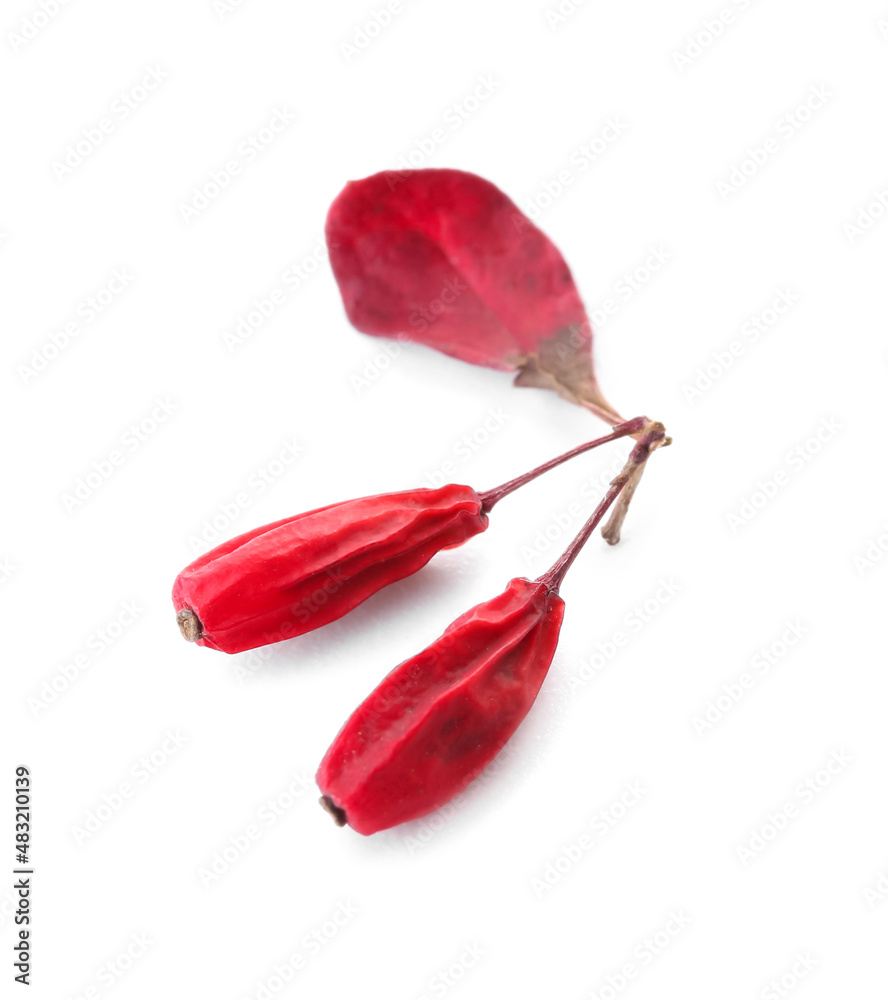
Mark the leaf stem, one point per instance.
(491, 497)
(603, 411)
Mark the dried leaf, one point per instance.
(444, 258)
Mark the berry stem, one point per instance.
(654, 436)
(491, 497)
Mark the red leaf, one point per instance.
(444, 258)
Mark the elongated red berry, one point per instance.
(287, 578)
(439, 718)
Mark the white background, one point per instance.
(499, 896)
